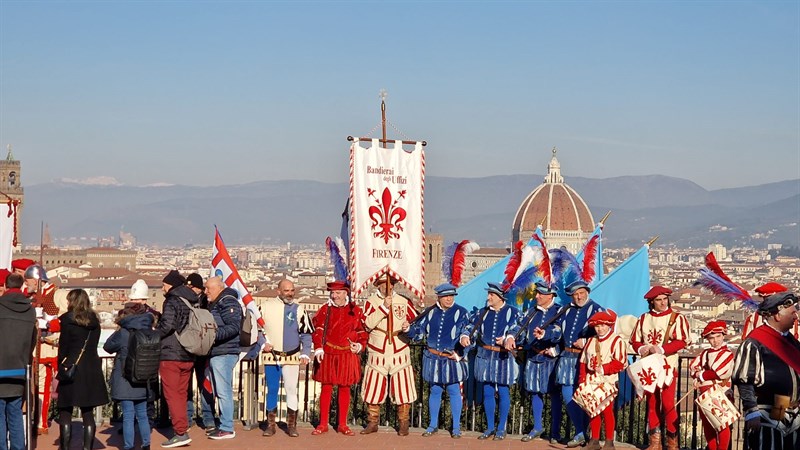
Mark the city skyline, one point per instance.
(225, 93)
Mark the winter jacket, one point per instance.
(174, 316)
(18, 322)
(121, 388)
(88, 388)
(227, 313)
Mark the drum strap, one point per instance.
(668, 335)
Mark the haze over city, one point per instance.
(220, 93)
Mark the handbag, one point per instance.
(66, 372)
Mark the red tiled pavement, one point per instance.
(386, 439)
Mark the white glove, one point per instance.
(318, 354)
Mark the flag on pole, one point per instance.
(623, 289)
(222, 266)
(8, 232)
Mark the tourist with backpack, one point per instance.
(176, 362)
(133, 361)
(195, 283)
(227, 311)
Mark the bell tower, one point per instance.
(11, 190)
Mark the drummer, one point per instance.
(665, 332)
(602, 359)
(714, 366)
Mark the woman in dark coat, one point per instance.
(80, 329)
(132, 397)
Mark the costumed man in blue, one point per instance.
(496, 369)
(444, 364)
(539, 335)
(288, 332)
(575, 332)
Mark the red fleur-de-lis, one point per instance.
(647, 377)
(386, 216)
(654, 337)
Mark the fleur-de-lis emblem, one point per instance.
(654, 337)
(386, 215)
(647, 377)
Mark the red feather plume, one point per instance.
(713, 265)
(513, 264)
(589, 256)
(543, 260)
(464, 248)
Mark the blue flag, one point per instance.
(623, 289)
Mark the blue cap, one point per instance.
(772, 304)
(445, 289)
(575, 285)
(495, 288)
(545, 288)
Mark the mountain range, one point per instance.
(683, 213)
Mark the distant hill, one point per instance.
(482, 209)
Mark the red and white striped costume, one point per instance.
(47, 348)
(606, 364)
(389, 370)
(652, 329)
(713, 366)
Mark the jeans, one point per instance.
(222, 376)
(134, 410)
(11, 423)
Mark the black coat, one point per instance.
(227, 313)
(174, 316)
(18, 322)
(121, 388)
(89, 386)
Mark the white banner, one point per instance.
(7, 218)
(387, 230)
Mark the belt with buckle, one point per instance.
(285, 354)
(438, 353)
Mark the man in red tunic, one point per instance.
(661, 331)
(714, 367)
(339, 336)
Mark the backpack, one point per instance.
(144, 354)
(248, 334)
(200, 331)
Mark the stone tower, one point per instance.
(11, 186)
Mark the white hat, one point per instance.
(139, 291)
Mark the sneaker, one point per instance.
(222, 434)
(211, 430)
(179, 440)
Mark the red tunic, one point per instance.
(346, 324)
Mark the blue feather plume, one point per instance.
(520, 288)
(339, 266)
(447, 261)
(724, 288)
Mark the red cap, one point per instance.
(22, 264)
(716, 326)
(3, 274)
(338, 286)
(608, 317)
(770, 288)
(655, 291)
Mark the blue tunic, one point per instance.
(574, 326)
(442, 329)
(492, 366)
(541, 353)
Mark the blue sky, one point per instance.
(210, 93)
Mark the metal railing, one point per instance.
(631, 416)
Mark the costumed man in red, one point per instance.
(714, 366)
(42, 294)
(661, 331)
(602, 359)
(339, 337)
(755, 320)
(19, 266)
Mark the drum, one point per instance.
(717, 407)
(595, 394)
(650, 373)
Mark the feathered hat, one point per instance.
(714, 279)
(455, 259)
(571, 274)
(337, 261)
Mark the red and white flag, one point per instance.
(387, 230)
(222, 266)
(8, 231)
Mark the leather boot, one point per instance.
(65, 430)
(403, 412)
(271, 427)
(655, 440)
(373, 413)
(88, 435)
(672, 441)
(609, 445)
(594, 444)
(291, 422)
